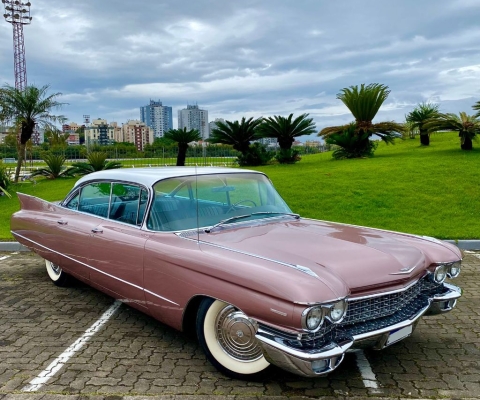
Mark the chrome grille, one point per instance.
(382, 306)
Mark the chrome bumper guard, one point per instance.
(321, 361)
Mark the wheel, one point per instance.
(56, 274)
(234, 206)
(227, 337)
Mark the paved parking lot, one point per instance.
(133, 355)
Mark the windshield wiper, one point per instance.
(224, 221)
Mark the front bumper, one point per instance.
(323, 360)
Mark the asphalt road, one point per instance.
(132, 356)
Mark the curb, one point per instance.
(466, 244)
(462, 244)
(13, 246)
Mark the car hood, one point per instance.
(365, 259)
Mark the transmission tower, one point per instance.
(18, 14)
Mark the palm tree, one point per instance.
(286, 130)
(467, 126)
(364, 103)
(28, 108)
(476, 107)
(420, 114)
(183, 138)
(56, 138)
(237, 134)
(55, 168)
(97, 161)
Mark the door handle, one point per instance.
(62, 222)
(97, 230)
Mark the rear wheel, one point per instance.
(56, 274)
(227, 337)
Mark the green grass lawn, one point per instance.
(431, 190)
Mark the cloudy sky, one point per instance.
(249, 58)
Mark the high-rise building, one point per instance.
(212, 125)
(158, 117)
(193, 117)
(137, 132)
(99, 132)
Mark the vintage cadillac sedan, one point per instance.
(218, 252)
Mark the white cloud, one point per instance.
(250, 58)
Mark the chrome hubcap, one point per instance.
(55, 268)
(236, 335)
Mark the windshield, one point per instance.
(206, 200)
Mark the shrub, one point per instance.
(288, 156)
(351, 144)
(55, 168)
(256, 155)
(97, 161)
(4, 181)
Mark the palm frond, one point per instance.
(286, 130)
(364, 102)
(182, 136)
(332, 130)
(238, 134)
(55, 167)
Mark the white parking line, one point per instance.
(368, 377)
(4, 258)
(61, 360)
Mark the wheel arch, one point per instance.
(189, 318)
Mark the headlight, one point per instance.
(313, 318)
(454, 269)
(337, 311)
(440, 273)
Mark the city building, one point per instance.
(72, 129)
(269, 142)
(213, 124)
(193, 117)
(99, 132)
(137, 132)
(158, 117)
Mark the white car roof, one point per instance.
(149, 176)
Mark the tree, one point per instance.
(55, 168)
(364, 103)
(419, 116)
(97, 161)
(183, 138)
(237, 134)
(56, 138)
(285, 131)
(467, 126)
(29, 108)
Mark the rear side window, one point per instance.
(95, 199)
(126, 203)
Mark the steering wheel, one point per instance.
(233, 206)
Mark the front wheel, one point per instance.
(56, 274)
(227, 337)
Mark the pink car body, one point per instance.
(218, 251)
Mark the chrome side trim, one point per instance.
(283, 314)
(300, 268)
(95, 269)
(160, 297)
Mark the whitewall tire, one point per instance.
(56, 274)
(227, 336)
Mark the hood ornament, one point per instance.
(404, 271)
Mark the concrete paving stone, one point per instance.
(442, 349)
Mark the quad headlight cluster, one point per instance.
(313, 317)
(446, 270)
